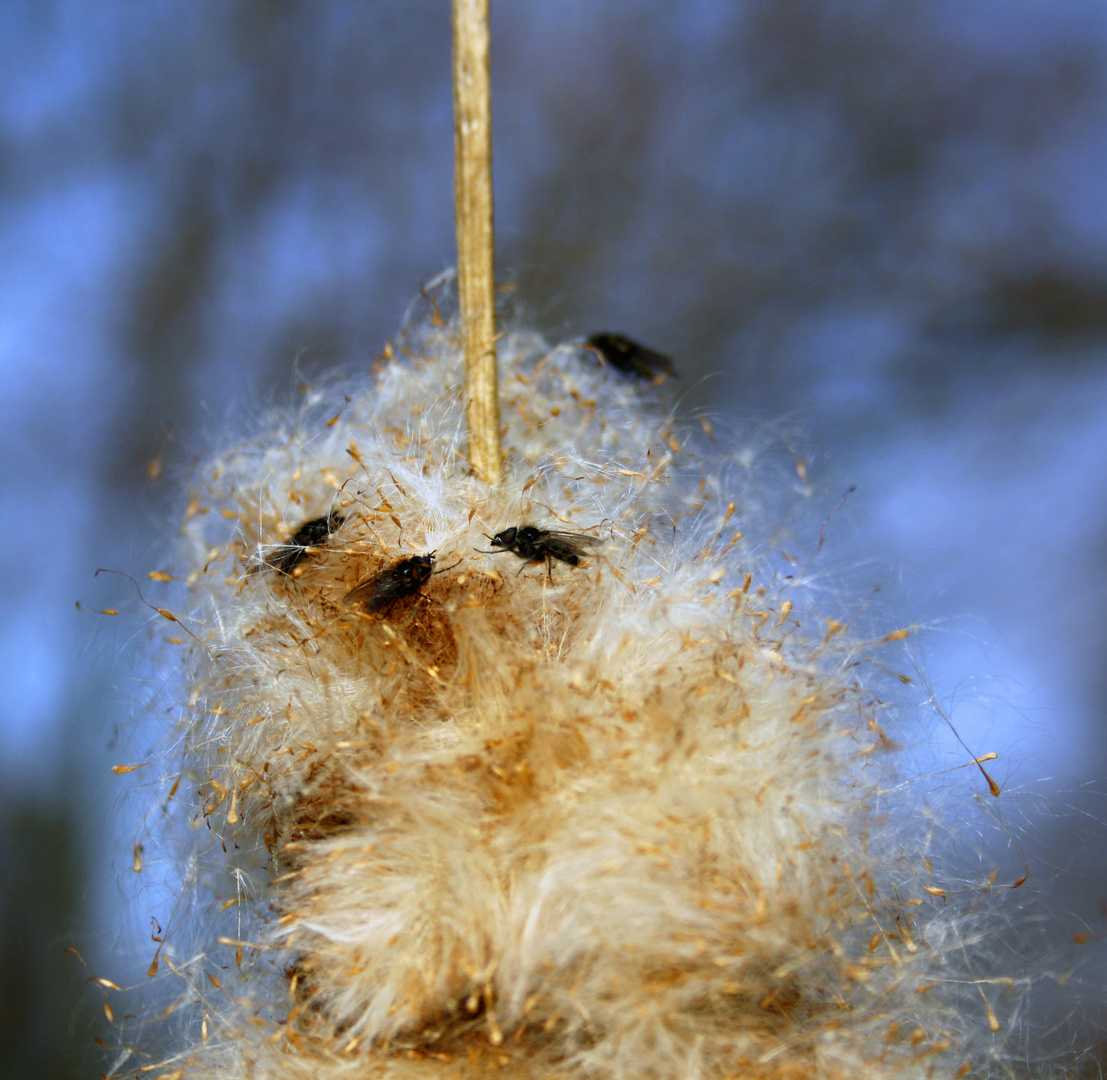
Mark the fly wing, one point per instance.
(285, 558)
(568, 547)
(383, 589)
(368, 593)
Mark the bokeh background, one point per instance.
(879, 226)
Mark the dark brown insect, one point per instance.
(402, 579)
(312, 534)
(535, 545)
(630, 358)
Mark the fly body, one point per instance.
(404, 578)
(632, 359)
(532, 544)
(312, 534)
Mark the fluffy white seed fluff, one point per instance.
(620, 820)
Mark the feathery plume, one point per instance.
(472, 805)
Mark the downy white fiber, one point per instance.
(621, 819)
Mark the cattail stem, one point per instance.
(473, 209)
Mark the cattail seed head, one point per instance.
(623, 818)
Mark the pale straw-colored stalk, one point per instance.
(473, 209)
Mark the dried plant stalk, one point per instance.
(473, 208)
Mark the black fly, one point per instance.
(402, 579)
(630, 358)
(311, 534)
(535, 545)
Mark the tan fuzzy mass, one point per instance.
(590, 800)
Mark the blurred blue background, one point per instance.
(884, 222)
